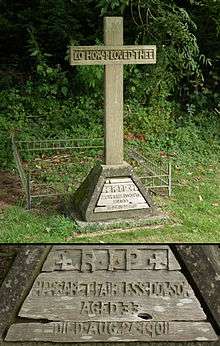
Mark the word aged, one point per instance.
(97, 308)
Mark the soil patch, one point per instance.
(10, 189)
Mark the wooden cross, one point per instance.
(113, 55)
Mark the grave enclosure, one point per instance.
(109, 294)
(112, 191)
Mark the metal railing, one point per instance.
(154, 173)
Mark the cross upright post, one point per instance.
(114, 153)
(111, 190)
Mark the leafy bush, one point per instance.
(174, 104)
(37, 117)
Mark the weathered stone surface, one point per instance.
(120, 194)
(87, 197)
(154, 221)
(111, 331)
(203, 264)
(149, 304)
(141, 343)
(114, 257)
(113, 55)
(113, 100)
(7, 255)
(18, 281)
(112, 295)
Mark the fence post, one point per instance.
(169, 179)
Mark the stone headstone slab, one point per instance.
(67, 296)
(109, 294)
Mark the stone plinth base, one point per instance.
(112, 192)
(154, 221)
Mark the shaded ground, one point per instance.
(193, 207)
(7, 255)
(10, 189)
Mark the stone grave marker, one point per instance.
(112, 191)
(110, 293)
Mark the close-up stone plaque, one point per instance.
(103, 293)
(120, 194)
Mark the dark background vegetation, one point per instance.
(174, 105)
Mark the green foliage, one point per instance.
(49, 81)
(172, 30)
(206, 14)
(153, 121)
(90, 79)
(112, 6)
(188, 50)
(35, 116)
(157, 125)
(174, 103)
(56, 22)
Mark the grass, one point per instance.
(194, 211)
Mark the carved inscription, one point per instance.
(120, 194)
(152, 329)
(110, 258)
(96, 289)
(113, 331)
(100, 308)
(110, 294)
(85, 260)
(110, 55)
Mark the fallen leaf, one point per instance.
(215, 204)
(200, 198)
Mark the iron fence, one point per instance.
(154, 172)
